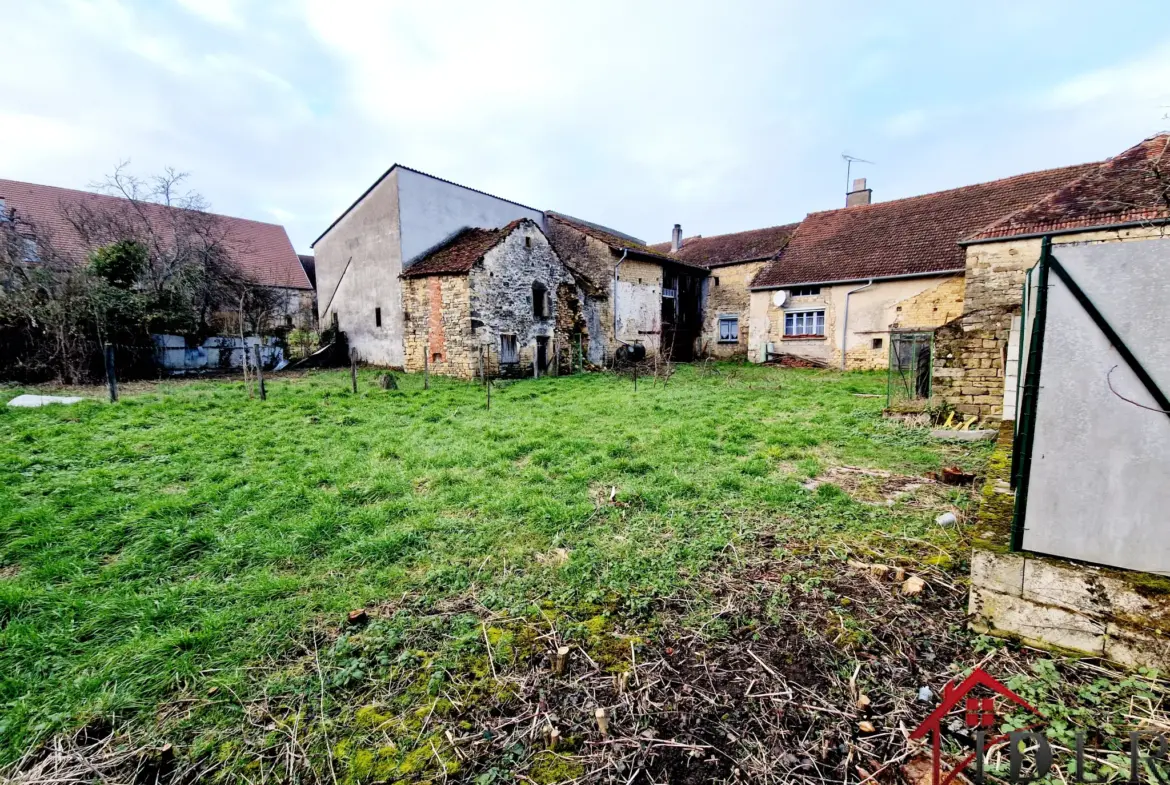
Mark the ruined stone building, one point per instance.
(496, 300)
(645, 297)
(361, 256)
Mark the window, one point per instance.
(288, 320)
(509, 353)
(806, 291)
(527, 242)
(876, 343)
(541, 307)
(804, 323)
(717, 280)
(728, 329)
(29, 249)
(669, 286)
(377, 317)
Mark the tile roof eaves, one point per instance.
(874, 278)
(1062, 228)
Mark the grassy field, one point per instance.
(179, 567)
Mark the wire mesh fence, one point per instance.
(908, 381)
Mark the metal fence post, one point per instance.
(111, 373)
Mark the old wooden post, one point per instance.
(353, 370)
(489, 394)
(260, 374)
(556, 359)
(482, 367)
(427, 368)
(111, 374)
(636, 378)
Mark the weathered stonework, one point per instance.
(971, 351)
(452, 320)
(728, 295)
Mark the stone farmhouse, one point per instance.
(850, 279)
(262, 251)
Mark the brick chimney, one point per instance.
(859, 195)
(676, 238)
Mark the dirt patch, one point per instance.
(874, 486)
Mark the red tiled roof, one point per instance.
(724, 249)
(1130, 188)
(615, 242)
(262, 250)
(914, 236)
(458, 253)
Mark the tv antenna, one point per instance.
(849, 161)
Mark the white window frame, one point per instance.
(733, 334)
(797, 323)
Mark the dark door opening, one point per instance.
(542, 353)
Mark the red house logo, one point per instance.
(979, 716)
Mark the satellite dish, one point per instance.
(779, 297)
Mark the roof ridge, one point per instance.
(997, 181)
(1099, 170)
(100, 195)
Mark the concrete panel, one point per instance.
(1134, 648)
(999, 572)
(431, 210)
(1098, 489)
(358, 264)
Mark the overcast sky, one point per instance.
(722, 116)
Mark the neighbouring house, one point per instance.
(733, 261)
(360, 258)
(262, 251)
(644, 296)
(976, 355)
(851, 281)
(492, 301)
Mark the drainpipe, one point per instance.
(616, 267)
(845, 320)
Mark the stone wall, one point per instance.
(971, 351)
(437, 317)
(727, 295)
(454, 320)
(638, 294)
(502, 299)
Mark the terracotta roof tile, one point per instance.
(918, 235)
(262, 250)
(724, 249)
(1130, 188)
(458, 253)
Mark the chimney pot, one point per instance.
(676, 238)
(859, 195)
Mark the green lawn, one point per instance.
(172, 562)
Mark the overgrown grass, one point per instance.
(168, 545)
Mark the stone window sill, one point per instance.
(804, 337)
